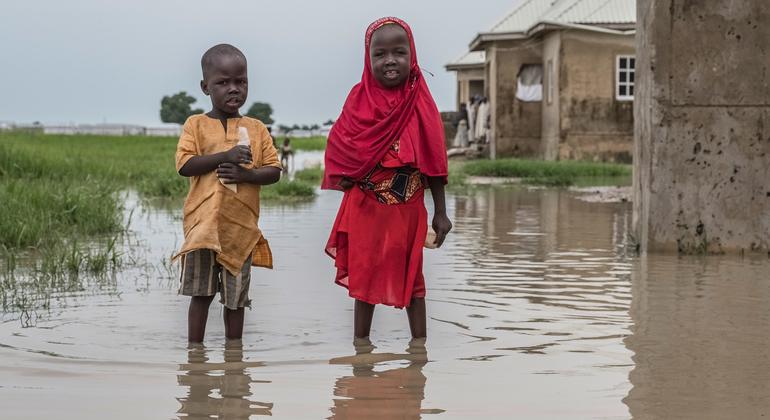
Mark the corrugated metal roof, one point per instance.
(590, 12)
(526, 14)
(471, 58)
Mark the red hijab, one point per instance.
(374, 117)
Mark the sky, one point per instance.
(94, 61)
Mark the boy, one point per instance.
(222, 237)
(286, 152)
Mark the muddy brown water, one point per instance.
(537, 309)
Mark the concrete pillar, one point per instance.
(702, 126)
(492, 97)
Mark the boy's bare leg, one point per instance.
(233, 323)
(196, 318)
(362, 319)
(417, 321)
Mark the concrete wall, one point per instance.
(702, 145)
(594, 124)
(516, 125)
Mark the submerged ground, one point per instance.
(538, 308)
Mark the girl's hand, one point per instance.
(233, 174)
(441, 225)
(346, 184)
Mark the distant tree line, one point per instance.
(178, 107)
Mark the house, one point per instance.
(95, 129)
(164, 130)
(470, 76)
(559, 78)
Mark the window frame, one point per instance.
(628, 84)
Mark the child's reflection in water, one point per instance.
(382, 394)
(214, 394)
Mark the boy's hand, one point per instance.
(230, 173)
(441, 225)
(238, 155)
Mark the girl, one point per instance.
(382, 151)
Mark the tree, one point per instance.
(295, 127)
(261, 111)
(315, 127)
(284, 128)
(330, 122)
(177, 108)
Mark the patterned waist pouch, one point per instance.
(395, 189)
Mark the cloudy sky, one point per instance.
(90, 61)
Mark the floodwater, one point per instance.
(537, 308)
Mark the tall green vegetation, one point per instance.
(61, 209)
(562, 173)
(53, 188)
(316, 143)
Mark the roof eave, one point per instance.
(484, 38)
(459, 67)
(614, 29)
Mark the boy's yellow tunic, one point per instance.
(215, 217)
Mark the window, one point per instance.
(530, 83)
(549, 83)
(624, 77)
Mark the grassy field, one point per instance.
(538, 172)
(307, 144)
(61, 207)
(57, 189)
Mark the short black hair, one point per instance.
(217, 51)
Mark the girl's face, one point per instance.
(390, 55)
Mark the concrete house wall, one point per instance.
(594, 125)
(516, 125)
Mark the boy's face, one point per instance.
(390, 55)
(227, 84)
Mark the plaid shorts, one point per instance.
(202, 275)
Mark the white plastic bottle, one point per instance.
(243, 140)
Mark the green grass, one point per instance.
(312, 175)
(60, 192)
(36, 211)
(457, 178)
(305, 144)
(288, 191)
(142, 163)
(562, 173)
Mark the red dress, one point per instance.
(379, 233)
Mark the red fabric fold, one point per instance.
(374, 117)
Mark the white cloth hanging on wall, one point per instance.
(529, 87)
